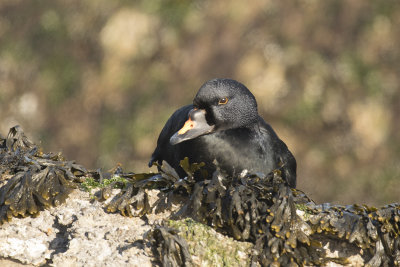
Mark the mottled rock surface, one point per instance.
(78, 233)
(81, 233)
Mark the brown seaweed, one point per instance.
(32, 180)
(263, 210)
(171, 249)
(133, 199)
(257, 208)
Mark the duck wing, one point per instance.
(164, 150)
(282, 154)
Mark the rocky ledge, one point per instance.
(54, 212)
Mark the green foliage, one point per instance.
(91, 183)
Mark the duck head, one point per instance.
(220, 104)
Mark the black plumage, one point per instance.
(222, 125)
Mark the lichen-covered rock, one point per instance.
(210, 248)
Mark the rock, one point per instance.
(81, 233)
(78, 233)
(210, 248)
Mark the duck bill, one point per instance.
(195, 126)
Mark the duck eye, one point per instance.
(223, 101)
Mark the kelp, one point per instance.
(285, 226)
(264, 210)
(259, 209)
(376, 231)
(32, 180)
(133, 200)
(171, 248)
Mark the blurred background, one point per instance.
(97, 80)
